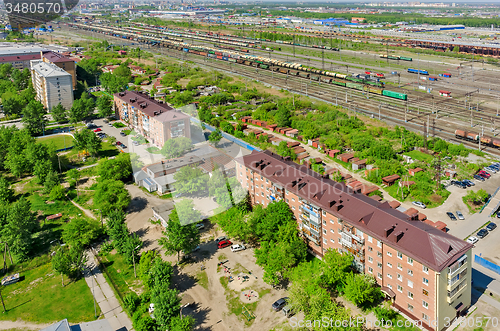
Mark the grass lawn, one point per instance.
(127, 132)
(59, 142)
(118, 125)
(122, 274)
(418, 155)
(153, 150)
(39, 297)
(202, 279)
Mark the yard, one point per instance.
(58, 142)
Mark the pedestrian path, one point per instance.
(104, 296)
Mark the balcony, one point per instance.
(456, 291)
(458, 277)
(458, 266)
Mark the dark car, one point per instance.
(451, 216)
(122, 133)
(479, 178)
(482, 233)
(278, 304)
(491, 226)
(224, 243)
(464, 182)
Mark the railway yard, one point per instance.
(437, 96)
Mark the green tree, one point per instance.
(215, 137)
(167, 304)
(87, 140)
(105, 106)
(159, 274)
(110, 195)
(185, 323)
(361, 289)
(178, 237)
(115, 169)
(145, 264)
(176, 147)
(190, 180)
(21, 78)
(34, 117)
(335, 266)
(5, 70)
(131, 248)
(13, 105)
(51, 181)
(80, 232)
(57, 193)
(283, 116)
(59, 113)
(117, 229)
(42, 170)
(68, 261)
(74, 175)
(6, 193)
(113, 83)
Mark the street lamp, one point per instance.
(133, 259)
(180, 312)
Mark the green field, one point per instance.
(59, 142)
(417, 155)
(39, 297)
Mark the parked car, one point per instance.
(224, 244)
(237, 247)
(451, 216)
(122, 133)
(109, 124)
(118, 143)
(460, 215)
(97, 130)
(490, 169)
(477, 177)
(464, 182)
(491, 226)
(280, 303)
(484, 174)
(471, 183)
(482, 233)
(221, 238)
(200, 226)
(461, 185)
(106, 121)
(419, 204)
(472, 240)
(135, 143)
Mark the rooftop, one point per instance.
(55, 57)
(172, 163)
(13, 58)
(48, 69)
(8, 48)
(424, 243)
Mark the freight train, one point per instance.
(395, 57)
(471, 136)
(371, 84)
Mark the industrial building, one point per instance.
(52, 84)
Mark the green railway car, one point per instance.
(390, 57)
(314, 77)
(396, 95)
(354, 79)
(338, 82)
(404, 58)
(354, 86)
(264, 66)
(211, 52)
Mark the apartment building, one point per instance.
(19, 55)
(424, 271)
(62, 62)
(155, 120)
(52, 84)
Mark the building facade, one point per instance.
(52, 84)
(62, 62)
(425, 271)
(155, 120)
(18, 54)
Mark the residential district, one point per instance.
(250, 166)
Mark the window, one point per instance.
(370, 249)
(389, 265)
(324, 222)
(400, 267)
(379, 254)
(262, 193)
(379, 243)
(410, 261)
(425, 317)
(389, 286)
(324, 213)
(400, 278)
(332, 231)
(324, 231)
(425, 292)
(410, 295)
(267, 182)
(370, 270)
(369, 239)
(286, 200)
(400, 288)
(286, 192)
(332, 221)
(389, 275)
(400, 255)
(410, 272)
(410, 284)
(332, 240)
(425, 269)
(293, 199)
(261, 178)
(370, 259)
(410, 307)
(293, 207)
(379, 275)
(325, 241)
(379, 265)
(389, 253)
(261, 185)
(425, 281)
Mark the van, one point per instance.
(288, 311)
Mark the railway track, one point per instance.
(354, 101)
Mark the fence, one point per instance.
(229, 137)
(487, 264)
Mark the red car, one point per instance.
(224, 243)
(118, 143)
(484, 174)
(97, 130)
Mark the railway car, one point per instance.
(416, 71)
(432, 78)
(466, 135)
(404, 58)
(375, 90)
(354, 86)
(396, 95)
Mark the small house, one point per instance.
(360, 164)
(272, 127)
(293, 144)
(292, 133)
(390, 180)
(345, 157)
(332, 152)
(412, 172)
(406, 183)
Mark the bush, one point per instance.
(57, 193)
(146, 323)
(131, 301)
(386, 314)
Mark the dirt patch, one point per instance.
(237, 282)
(249, 296)
(183, 81)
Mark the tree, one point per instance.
(13, 105)
(145, 264)
(130, 248)
(190, 179)
(159, 274)
(283, 116)
(176, 147)
(34, 117)
(6, 193)
(178, 237)
(167, 304)
(110, 195)
(87, 140)
(116, 169)
(185, 323)
(81, 109)
(57, 193)
(20, 224)
(59, 113)
(68, 261)
(113, 83)
(186, 212)
(74, 175)
(80, 232)
(42, 170)
(51, 181)
(105, 106)
(215, 137)
(361, 289)
(117, 229)
(335, 266)
(21, 78)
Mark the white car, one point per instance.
(419, 204)
(472, 240)
(237, 247)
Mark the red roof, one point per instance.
(445, 92)
(13, 58)
(55, 57)
(151, 105)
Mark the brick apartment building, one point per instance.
(63, 62)
(425, 271)
(155, 120)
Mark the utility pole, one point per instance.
(3, 304)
